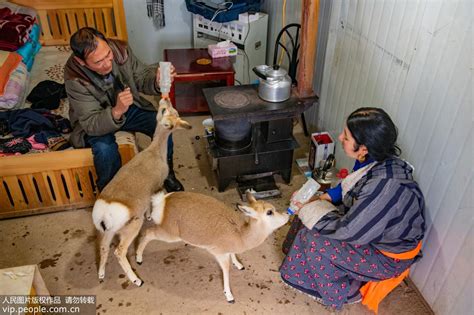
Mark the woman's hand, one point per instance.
(324, 196)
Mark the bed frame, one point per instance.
(59, 19)
(63, 180)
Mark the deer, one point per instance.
(121, 206)
(208, 223)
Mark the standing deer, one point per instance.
(208, 223)
(121, 206)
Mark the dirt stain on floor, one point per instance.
(169, 259)
(50, 262)
(78, 233)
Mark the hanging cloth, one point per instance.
(156, 11)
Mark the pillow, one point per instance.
(9, 61)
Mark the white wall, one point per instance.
(414, 59)
(147, 42)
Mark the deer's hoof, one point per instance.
(138, 282)
(231, 301)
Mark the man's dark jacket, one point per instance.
(91, 99)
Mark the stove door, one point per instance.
(277, 130)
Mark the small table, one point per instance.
(188, 71)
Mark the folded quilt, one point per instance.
(9, 61)
(31, 48)
(14, 29)
(15, 90)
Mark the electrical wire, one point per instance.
(219, 11)
(245, 40)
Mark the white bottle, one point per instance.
(303, 195)
(165, 77)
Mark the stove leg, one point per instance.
(286, 175)
(223, 183)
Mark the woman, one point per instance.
(380, 215)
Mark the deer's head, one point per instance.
(263, 212)
(168, 117)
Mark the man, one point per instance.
(103, 80)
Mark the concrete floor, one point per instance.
(178, 279)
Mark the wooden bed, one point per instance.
(56, 181)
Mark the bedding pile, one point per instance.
(19, 44)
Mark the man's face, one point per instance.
(100, 59)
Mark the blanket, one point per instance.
(15, 90)
(14, 29)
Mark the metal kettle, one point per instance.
(275, 83)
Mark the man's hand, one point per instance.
(124, 100)
(172, 75)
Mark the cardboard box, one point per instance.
(303, 166)
(23, 280)
(322, 144)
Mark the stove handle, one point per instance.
(256, 132)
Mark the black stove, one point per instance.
(253, 138)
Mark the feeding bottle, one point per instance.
(165, 78)
(303, 195)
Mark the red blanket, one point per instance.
(14, 29)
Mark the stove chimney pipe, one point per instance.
(307, 51)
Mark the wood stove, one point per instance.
(253, 138)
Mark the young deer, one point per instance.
(206, 222)
(121, 206)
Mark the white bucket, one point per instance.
(208, 124)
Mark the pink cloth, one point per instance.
(36, 145)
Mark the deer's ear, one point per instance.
(248, 211)
(250, 197)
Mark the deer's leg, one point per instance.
(127, 235)
(236, 262)
(224, 262)
(105, 241)
(149, 236)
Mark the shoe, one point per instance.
(172, 183)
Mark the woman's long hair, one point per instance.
(374, 128)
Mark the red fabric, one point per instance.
(14, 29)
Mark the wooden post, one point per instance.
(307, 51)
